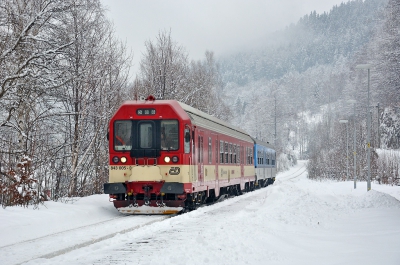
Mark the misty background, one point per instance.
(223, 27)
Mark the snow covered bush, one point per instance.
(285, 161)
(18, 187)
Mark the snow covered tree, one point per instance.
(165, 72)
(63, 74)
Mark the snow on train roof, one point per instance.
(209, 122)
(262, 143)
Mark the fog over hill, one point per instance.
(316, 39)
(309, 69)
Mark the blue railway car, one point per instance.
(264, 163)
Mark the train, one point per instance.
(166, 157)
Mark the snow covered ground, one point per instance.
(294, 221)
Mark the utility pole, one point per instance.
(379, 125)
(347, 146)
(275, 124)
(368, 67)
(369, 138)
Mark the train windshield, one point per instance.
(123, 135)
(146, 134)
(169, 135)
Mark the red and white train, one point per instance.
(166, 156)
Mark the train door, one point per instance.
(242, 161)
(241, 164)
(189, 149)
(215, 162)
(200, 156)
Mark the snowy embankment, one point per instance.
(294, 221)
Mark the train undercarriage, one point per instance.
(148, 198)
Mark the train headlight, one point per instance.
(175, 159)
(123, 159)
(115, 159)
(167, 159)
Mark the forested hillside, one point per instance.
(303, 81)
(316, 39)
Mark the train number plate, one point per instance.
(120, 167)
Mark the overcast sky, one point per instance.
(221, 26)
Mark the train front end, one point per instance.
(149, 157)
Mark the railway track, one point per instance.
(55, 244)
(300, 171)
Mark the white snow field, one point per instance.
(293, 221)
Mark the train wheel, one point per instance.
(191, 202)
(252, 186)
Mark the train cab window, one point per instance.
(251, 155)
(169, 135)
(209, 150)
(221, 151)
(122, 135)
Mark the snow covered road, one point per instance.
(294, 221)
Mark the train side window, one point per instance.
(199, 153)
(262, 157)
(221, 151)
(247, 155)
(235, 154)
(230, 153)
(249, 161)
(239, 153)
(273, 158)
(226, 152)
(193, 143)
(209, 150)
(187, 140)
